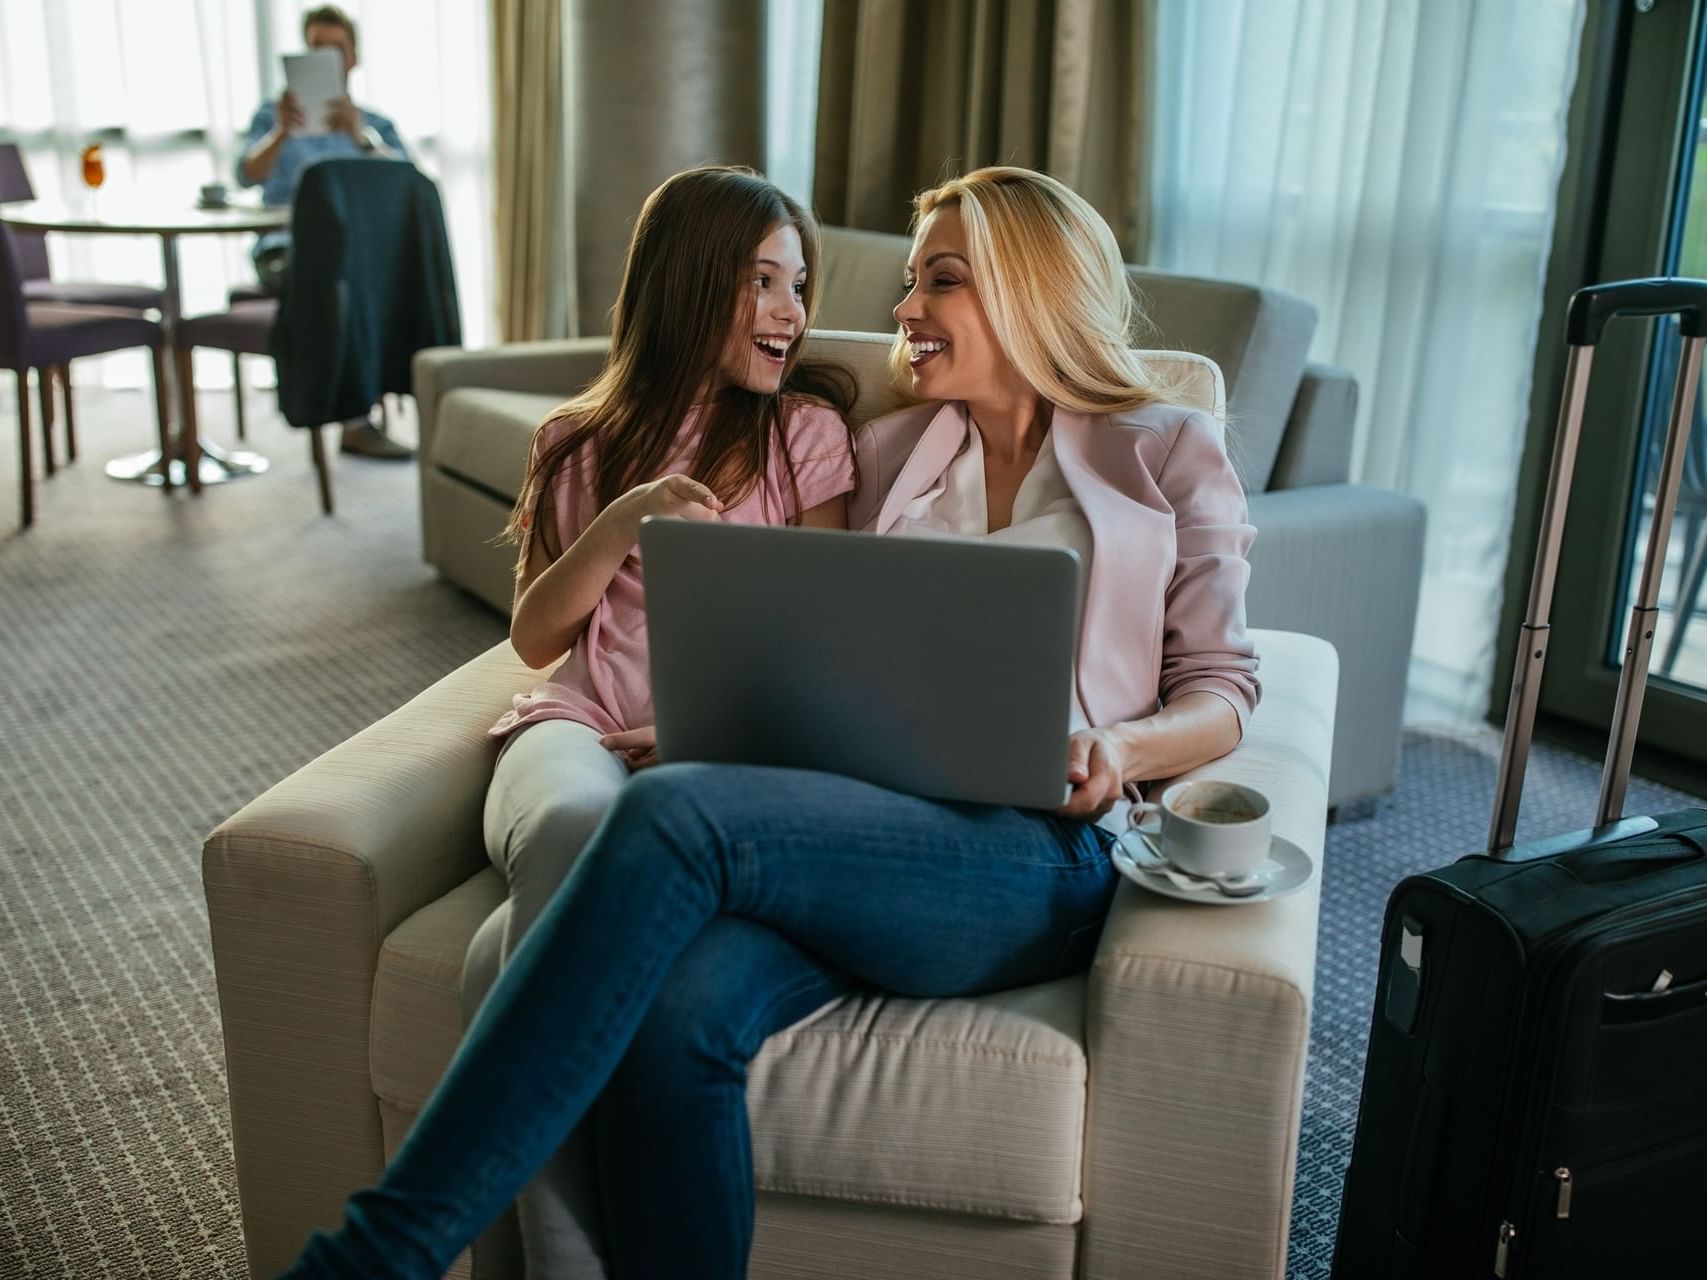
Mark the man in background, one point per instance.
(275, 154)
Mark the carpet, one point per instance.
(168, 658)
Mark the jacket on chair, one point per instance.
(369, 283)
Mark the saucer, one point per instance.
(1287, 870)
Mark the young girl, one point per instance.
(703, 412)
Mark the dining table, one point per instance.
(115, 213)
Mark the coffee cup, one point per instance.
(1207, 828)
(213, 195)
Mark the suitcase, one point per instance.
(1535, 1094)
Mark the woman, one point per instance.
(717, 904)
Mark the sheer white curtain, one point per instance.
(1395, 162)
(793, 30)
(168, 88)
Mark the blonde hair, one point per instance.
(1052, 283)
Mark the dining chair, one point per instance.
(45, 335)
(40, 286)
(244, 328)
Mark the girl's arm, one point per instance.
(556, 598)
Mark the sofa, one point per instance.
(1138, 1120)
(1331, 559)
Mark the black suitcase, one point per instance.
(1535, 1095)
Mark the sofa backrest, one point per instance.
(1259, 337)
(866, 356)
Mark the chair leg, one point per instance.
(317, 446)
(1688, 594)
(189, 430)
(26, 467)
(237, 391)
(44, 390)
(70, 414)
(163, 414)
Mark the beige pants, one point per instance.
(552, 787)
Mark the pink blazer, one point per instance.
(1165, 607)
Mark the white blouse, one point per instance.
(1045, 515)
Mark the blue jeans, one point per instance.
(715, 905)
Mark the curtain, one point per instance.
(1395, 162)
(535, 293)
(655, 86)
(168, 88)
(911, 94)
(792, 34)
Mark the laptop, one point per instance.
(942, 667)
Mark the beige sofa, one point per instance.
(1140, 1120)
(1332, 559)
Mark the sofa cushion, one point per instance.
(1258, 336)
(483, 435)
(860, 279)
(975, 1106)
(866, 356)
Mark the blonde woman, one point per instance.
(718, 904)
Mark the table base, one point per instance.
(217, 466)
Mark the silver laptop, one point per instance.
(940, 667)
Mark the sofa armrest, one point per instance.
(561, 366)
(303, 885)
(1197, 1023)
(1316, 448)
(1344, 562)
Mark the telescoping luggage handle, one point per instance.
(1590, 310)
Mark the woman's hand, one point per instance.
(677, 496)
(1096, 770)
(637, 747)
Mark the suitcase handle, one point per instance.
(1631, 860)
(1590, 310)
(1593, 306)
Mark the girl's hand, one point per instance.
(1095, 768)
(637, 747)
(676, 496)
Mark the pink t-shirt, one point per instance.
(605, 681)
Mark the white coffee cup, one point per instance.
(1207, 828)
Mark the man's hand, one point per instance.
(1096, 770)
(672, 495)
(637, 747)
(289, 114)
(343, 117)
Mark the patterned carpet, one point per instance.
(168, 659)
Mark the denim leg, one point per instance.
(916, 896)
(674, 1152)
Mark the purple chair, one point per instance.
(39, 286)
(47, 335)
(245, 329)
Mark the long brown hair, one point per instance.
(683, 289)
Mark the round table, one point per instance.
(107, 215)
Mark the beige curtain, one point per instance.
(656, 86)
(911, 93)
(534, 286)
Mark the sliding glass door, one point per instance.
(1655, 222)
